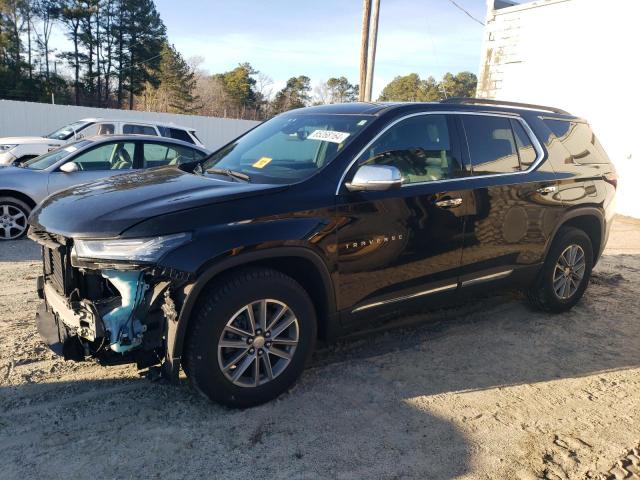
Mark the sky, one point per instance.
(321, 38)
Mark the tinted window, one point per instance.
(156, 155)
(130, 129)
(579, 140)
(526, 152)
(110, 156)
(492, 146)
(180, 135)
(420, 147)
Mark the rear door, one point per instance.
(514, 202)
(405, 243)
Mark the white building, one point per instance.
(578, 55)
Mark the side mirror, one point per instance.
(375, 178)
(69, 167)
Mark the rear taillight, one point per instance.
(611, 178)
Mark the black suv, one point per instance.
(314, 222)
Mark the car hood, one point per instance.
(107, 207)
(29, 140)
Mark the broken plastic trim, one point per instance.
(124, 330)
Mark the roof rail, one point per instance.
(486, 101)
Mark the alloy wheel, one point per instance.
(569, 272)
(13, 222)
(258, 343)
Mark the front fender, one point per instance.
(215, 251)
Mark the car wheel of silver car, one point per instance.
(566, 271)
(251, 336)
(14, 214)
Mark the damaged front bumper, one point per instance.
(115, 313)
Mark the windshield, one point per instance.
(52, 157)
(66, 132)
(288, 148)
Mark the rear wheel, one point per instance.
(251, 337)
(13, 218)
(566, 271)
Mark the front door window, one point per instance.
(420, 147)
(111, 156)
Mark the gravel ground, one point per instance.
(489, 389)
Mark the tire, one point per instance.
(542, 294)
(210, 366)
(13, 218)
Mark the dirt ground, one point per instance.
(490, 389)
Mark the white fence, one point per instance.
(26, 118)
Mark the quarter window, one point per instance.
(180, 135)
(420, 147)
(492, 146)
(579, 140)
(131, 129)
(526, 151)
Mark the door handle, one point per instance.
(548, 189)
(449, 203)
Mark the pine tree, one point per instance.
(177, 82)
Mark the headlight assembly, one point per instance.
(147, 250)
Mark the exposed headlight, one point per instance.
(149, 249)
(6, 147)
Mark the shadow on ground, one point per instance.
(353, 414)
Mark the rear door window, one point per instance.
(491, 143)
(134, 129)
(157, 155)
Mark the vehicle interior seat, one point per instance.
(122, 159)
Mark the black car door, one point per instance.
(404, 243)
(513, 205)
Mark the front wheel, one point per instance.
(251, 337)
(13, 218)
(565, 274)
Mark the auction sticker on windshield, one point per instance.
(262, 162)
(329, 136)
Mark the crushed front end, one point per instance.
(108, 300)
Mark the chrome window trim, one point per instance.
(487, 278)
(444, 288)
(532, 137)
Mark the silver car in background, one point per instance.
(22, 149)
(24, 186)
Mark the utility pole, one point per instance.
(364, 46)
(373, 40)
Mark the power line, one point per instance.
(467, 13)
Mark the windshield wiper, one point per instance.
(229, 173)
